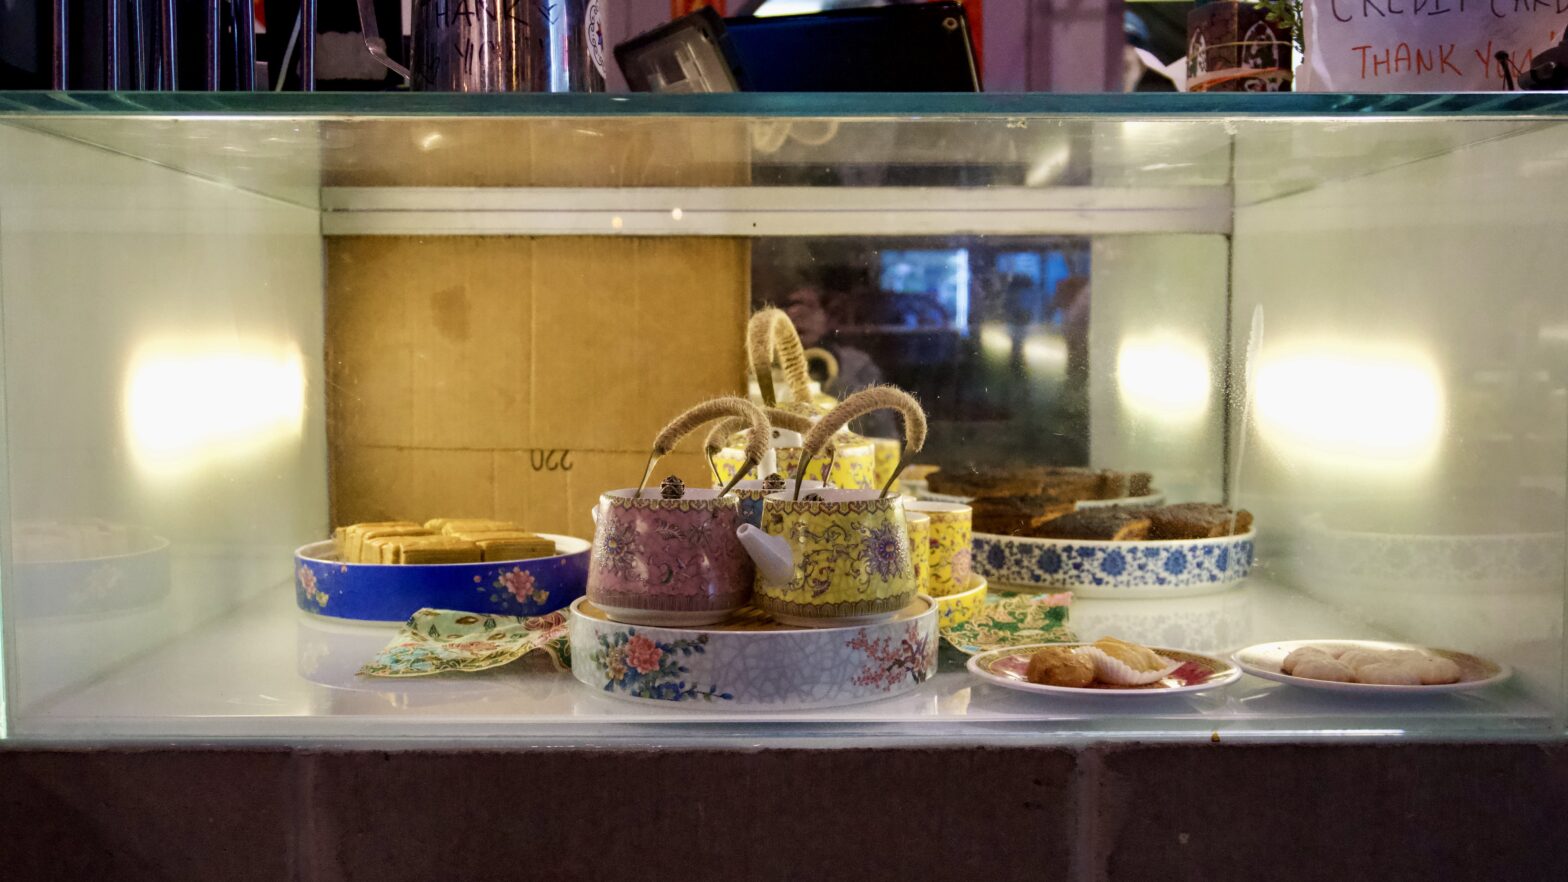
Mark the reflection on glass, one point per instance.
(1375, 409)
(187, 406)
(990, 333)
(1165, 379)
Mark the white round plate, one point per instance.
(1004, 667)
(1155, 498)
(1264, 660)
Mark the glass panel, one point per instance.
(209, 299)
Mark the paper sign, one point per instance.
(1425, 45)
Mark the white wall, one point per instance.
(1408, 458)
(162, 372)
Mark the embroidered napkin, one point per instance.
(434, 641)
(1013, 620)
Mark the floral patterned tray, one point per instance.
(327, 586)
(749, 661)
(1098, 568)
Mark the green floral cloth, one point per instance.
(434, 641)
(1013, 620)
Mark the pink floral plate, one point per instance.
(1007, 668)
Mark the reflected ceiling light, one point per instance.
(1046, 352)
(1048, 165)
(1163, 378)
(188, 406)
(996, 341)
(431, 140)
(1377, 408)
(773, 8)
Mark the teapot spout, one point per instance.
(770, 553)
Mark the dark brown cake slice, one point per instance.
(1117, 524)
(1139, 483)
(986, 481)
(1014, 515)
(1072, 485)
(1196, 520)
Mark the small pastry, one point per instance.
(453, 526)
(510, 545)
(353, 536)
(1060, 666)
(1140, 657)
(1355, 658)
(360, 540)
(1322, 667)
(1437, 670)
(773, 483)
(1127, 664)
(1301, 654)
(812, 497)
(672, 488)
(1393, 672)
(429, 549)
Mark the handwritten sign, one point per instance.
(1424, 45)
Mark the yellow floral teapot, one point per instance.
(836, 556)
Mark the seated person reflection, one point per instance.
(856, 370)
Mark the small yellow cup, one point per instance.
(920, 547)
(952, 534)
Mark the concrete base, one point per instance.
(1136, 812)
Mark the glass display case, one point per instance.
(233, 322)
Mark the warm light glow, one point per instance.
(995, 341)
(1374, 408)
(1163, 378)
(188, 406)
(1046, 353)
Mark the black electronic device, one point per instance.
(920, 47)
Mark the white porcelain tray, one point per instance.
(749, 661)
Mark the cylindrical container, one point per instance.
(919, 546)
(508, 46)
(1232, 47)
(853, 468)
(952, 533)
(672, 562)
(751, 494)
(886, 457)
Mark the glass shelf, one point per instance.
(270, 671)
(1250, 147)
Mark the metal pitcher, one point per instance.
(499, 45)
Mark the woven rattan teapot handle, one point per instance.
(719, 408)
(860, 404)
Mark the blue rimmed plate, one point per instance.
(327, 586)
(1102, 568)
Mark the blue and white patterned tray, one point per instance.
(1098, 568)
